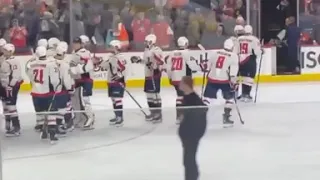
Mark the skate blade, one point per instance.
(53, 142)
(118, 125)
(87, 128)
(12, 135)
(62, 135)
(157, 122)
(227, 125)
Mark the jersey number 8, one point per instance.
(38, 76)
(176, 63)
(220, 62)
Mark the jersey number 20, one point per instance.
(38, 76)
(176, 63)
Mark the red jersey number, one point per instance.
(243, 48)
(38, 76)
(176, 63)
(220, 62)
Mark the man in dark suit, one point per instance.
(192, 127)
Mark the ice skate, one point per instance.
(119, 122)
(8, 125)
(38, 128)
(60, 131)
(44, 135)
(157, 118)
(15, 132)
(149, 117)
(113, 121)
(52, 130)
(226, 121)
(88, 125)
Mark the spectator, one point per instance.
(18, 35)
(193, 30)
(180, 25)
(32, 19)
(48, 27)
(140, 27)
(106, 22)
(228, 22)
(120, 32)
(240, 9)
(200, 18)
(18, 12)
(305, 39)
(293, 36)
(91, 19)
(62, 16)
(240, 21)
(127, 14)
(213, 36)
(163, 32)
(5, 17)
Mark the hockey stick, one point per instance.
(204, 73)
(235, 101)
(94, 45)
(258, 78)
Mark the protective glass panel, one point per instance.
(254, 12)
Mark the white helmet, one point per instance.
(9, 47)
(64, 45)
(228, 44)
(41, 51)
(53, 42)
(61, 49)
(151, 39)
(43, 43)
(238, 28)
(84, 39)
(115, 43)
(183, 41)
(2, 42)
(248, 29)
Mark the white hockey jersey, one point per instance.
(222, 64)
(153, 60)
(179, 64)
(44, 77)
(81, 65)
(66, 80)
(249, 45)
(115, 66)
(11, 73)
(236, 48)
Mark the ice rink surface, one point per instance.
(280, 141)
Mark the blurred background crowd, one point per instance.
(23, 22)
(284, 23)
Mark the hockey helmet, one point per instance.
(61, 49)
(151, 39)
(248, 29)
(53, 42)
(183, 42)
(228, 44)
(43, 43)
(238, 29)
(115, 43)
(41, 51)
(9, 47)
(84, 39)
(2, 42)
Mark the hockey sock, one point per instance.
(227, 111)
(15, 122)
(117, 106)
(152, 105)
(59, 121)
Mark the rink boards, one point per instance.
(310, 60)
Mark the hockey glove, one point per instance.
(204, 66)
(97, 60)
(116, 77)
(234, 83)
(135, 59)
(9, 90)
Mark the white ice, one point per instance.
(279, 141)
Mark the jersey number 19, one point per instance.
(243, 48)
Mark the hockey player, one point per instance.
(43, 43)
(65, 91)
(115, 65)
(238, 31)
(11, 80)
(178, 66)
(154, 64)
(52, 45)
(81, 67)
(44, 78)
(250, 48)
(2, 90)
(223, 67)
